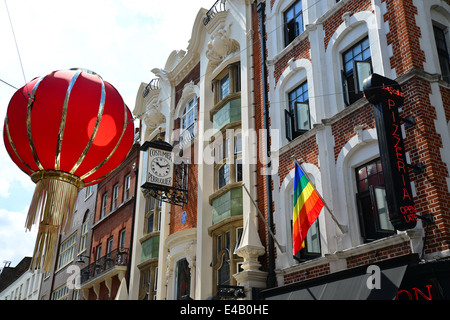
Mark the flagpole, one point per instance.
(341, 227)
(282, 248)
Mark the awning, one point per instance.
(352, 284)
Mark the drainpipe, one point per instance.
(261, 11)
(133, 218)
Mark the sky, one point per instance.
(119, 40)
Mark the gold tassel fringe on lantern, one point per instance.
(51, 207)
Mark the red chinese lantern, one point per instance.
(67, 130)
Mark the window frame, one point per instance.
(348, 76)
(228, 159)
(305, 254)
(225, 241)
(84, 233)
(126, 189)
(188, 121)
(232, 72)
(152, 214)
(292, 116)
(368, 213)
(115, 197)
(298, 30)
(442, 53)
(104, 205)
(177, 294)
(122, 238)
(67, 251)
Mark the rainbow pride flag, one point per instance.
(307, 207)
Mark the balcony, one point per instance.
(152, 85)
(103, 270)
(218, 6)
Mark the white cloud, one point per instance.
(15, 243)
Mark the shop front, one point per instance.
(401, 278)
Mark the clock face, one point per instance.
(160, 166)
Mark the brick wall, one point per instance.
(301, 50)
(193, 186)
(193, 75)
(403, 36)
(385, 253)
(121, 218)
(424, 145)
(344, 129)
(306, 274)
(335, 20)
(191, 206)
(422, 141)
(307, 150)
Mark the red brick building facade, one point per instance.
(111, 232)
(402, 45)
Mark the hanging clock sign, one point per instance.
(160, 167)
(159, 160)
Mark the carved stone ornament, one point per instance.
(220, 46)
(153, 118)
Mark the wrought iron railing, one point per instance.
(118, 257)
(217, 7)
(188, 134)
(152, 85)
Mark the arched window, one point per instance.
(312, 248)
(188, 121)
(183, 279)
(371, 198)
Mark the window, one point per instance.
(126, 192)
(312, 249)
(62, 293)
(228, 159)
(372, 205)
(89, 192)
(188, 122)
(183, 279)
(104, 201)
(224, 86)
(66, 252)
(115, 196)
(225, 261)
(84, 232)
(98, 252)
(351, 82)
(442, 50)
(293, 22)
(153, 215)
(227, 83)
(298, 116)
(148, 282)
(122, 235)
(224, 175)
(109, 245)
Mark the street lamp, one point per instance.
(80, 258)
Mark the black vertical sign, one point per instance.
(386, 96)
